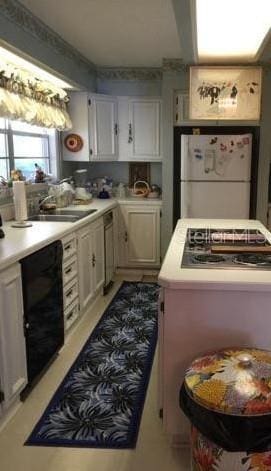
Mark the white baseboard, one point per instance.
(7, 416)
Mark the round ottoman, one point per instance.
(226, 395)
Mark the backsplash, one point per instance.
(34, 193)
(118, 171)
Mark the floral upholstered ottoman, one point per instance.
(227, 397)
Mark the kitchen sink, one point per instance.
(62, 215)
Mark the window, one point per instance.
(22, 145)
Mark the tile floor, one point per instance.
(152, 453)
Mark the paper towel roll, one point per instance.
(19, 198)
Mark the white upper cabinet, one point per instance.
(103, 127)
(78, 110)
(95, 119)
(115, 128)
(139, 129)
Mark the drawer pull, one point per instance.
(69, 316)
(68, 270)
(67, 247)
(93, 260)
(69, 293)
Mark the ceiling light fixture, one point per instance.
(33, 69)
(232, 29)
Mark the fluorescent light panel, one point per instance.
(233, 29)
(42, 74)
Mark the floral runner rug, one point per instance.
(100, 401)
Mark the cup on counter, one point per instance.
(121, 191)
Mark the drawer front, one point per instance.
(69, 270)
(71, 314)
(70, 293)
(69, 246)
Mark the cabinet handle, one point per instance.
(116, 129)
(68, 271)
(69, 293)
(67, 247)
(126, 236)
(130, 135)
(93, 260)
(2, 396)
(90, 152)
(70, 315)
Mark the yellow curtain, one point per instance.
(24, 97)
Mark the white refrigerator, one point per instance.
(215, 176)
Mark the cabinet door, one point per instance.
(78, 110)
(98, 254)
(144, 129)
(12, 341)
(143, 238)
(103, 127)
(85, 252)
(122, 237)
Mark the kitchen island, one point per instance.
(205, 309)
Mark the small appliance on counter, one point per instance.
(81, 194)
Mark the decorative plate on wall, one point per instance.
(73, 142)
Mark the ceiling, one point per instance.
(116, 33)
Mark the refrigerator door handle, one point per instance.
(209, 160)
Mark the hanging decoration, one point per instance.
(26, 98)
(73, 142)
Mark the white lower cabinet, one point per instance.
(139, 236)
(90, 242)
(13, 370)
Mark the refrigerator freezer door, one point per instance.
(216, 158)
(222, 200)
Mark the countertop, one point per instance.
(20, 242)
(174, 277)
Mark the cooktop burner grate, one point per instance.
(207, 258)
(251, 260)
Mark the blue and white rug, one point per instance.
(100, 401)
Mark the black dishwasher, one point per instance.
(43, 307)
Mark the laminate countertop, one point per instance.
(20, 242)
(173, 276)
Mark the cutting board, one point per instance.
(232, 249)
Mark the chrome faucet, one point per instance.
(42, 201)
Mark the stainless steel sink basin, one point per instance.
(62, 215)
(75, 212)
(54, 217)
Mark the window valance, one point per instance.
(27, 98)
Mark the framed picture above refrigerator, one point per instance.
(225, 93)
